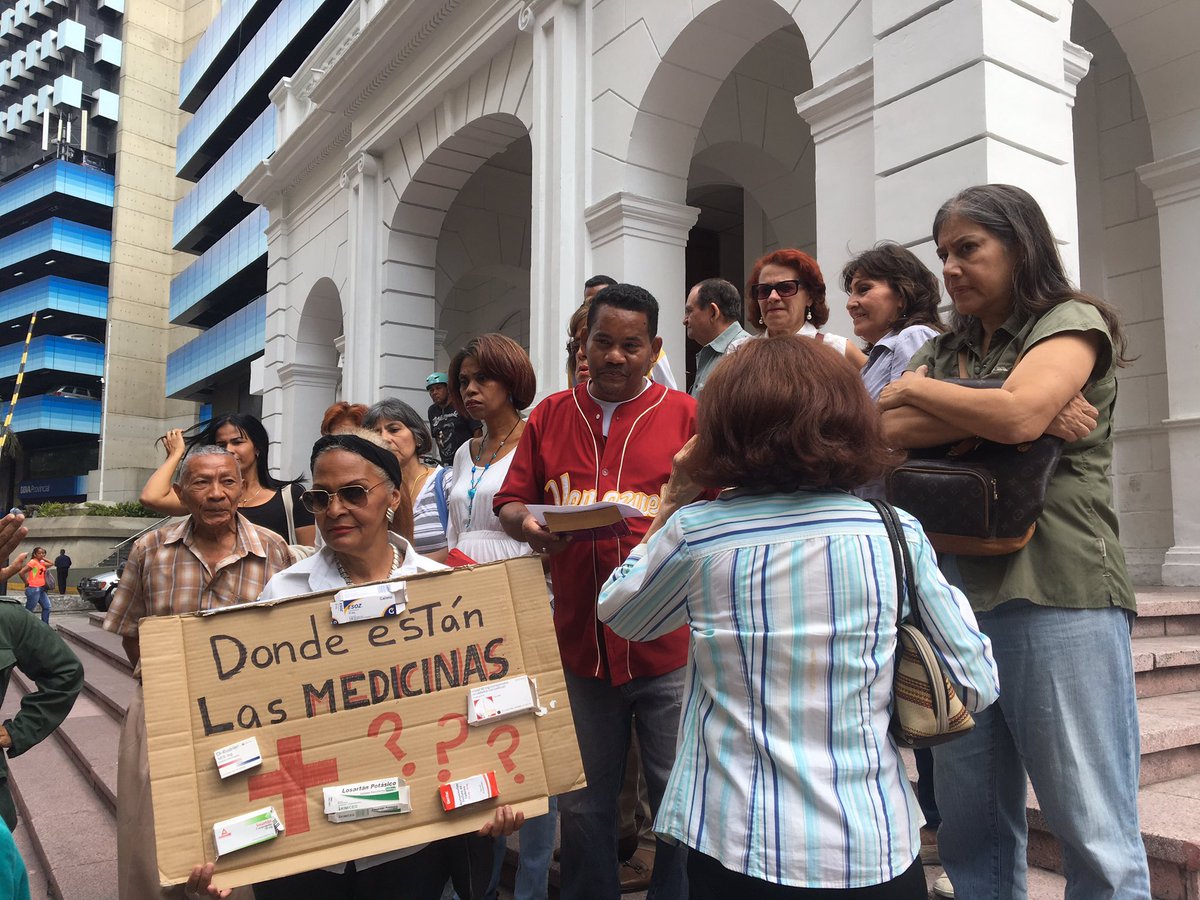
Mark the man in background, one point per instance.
(712, 317)
(213, 558)
(449, 428)
(62, 563)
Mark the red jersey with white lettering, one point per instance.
(563, 458)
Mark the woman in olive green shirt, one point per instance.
(1057, 611)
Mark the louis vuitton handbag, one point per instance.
(926, 710)
(977, 497)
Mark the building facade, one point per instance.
(219, 295)
(88, 119)
(59, 67)
(447, 167)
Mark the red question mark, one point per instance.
(393, 741)
(444, 747)
(506, 754)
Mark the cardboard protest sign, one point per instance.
(347, 704)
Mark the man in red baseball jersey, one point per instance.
(611, 438)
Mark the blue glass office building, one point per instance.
(224, 83)
(59, 66)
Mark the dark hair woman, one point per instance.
(403, 429)
(491, 381)
(893, 304)
(577, 364)
(267, 501)
(356, 485)
(1061, 603)
(786, 295)
(784, 580)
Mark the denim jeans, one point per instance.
(533, 867)
(604, 716)
(1067, 718)
(34, 596)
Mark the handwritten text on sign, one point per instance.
(346, 704)
(410, 675)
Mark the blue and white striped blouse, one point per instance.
(785, 770)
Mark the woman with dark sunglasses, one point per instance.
(357, 482)
(786, 295)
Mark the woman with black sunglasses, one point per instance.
(357, 483)
(786, 295)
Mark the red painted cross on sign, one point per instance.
(292, 780)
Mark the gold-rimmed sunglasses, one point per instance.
(352, 496)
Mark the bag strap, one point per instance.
(285, 494)
(439, 493)
(906, 584)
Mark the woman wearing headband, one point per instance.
(356, 484)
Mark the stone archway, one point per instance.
(688, 103)
(1150, 181)
(311, 380)
(425, 174)
(1119, 260)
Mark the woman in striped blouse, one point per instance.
(786, 781)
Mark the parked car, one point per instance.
(98, 589)
(75, 392)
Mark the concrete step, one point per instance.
(1170, 736)
(1166, 664)
(71, 830)
(96, 618)
(1041, 884)
(79, 631)
(38, 886)
(107, 675)
(1165, 611)
(1167, 616)
(91, 736)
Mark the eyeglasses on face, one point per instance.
(352, 496)
(762, 290)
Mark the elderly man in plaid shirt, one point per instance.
(211, 559)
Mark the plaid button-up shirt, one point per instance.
(165, 575)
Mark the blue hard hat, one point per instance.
(437, 378)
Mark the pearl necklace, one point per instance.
(346, 578)
(475, 481)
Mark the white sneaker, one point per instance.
(942, 887)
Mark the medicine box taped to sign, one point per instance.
(346, 704)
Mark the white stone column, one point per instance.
(307, 391)
(840, 114)
(361, 300)
(559, 137)
(992, 104)
(278, 337)
(641, 240)
(1175, 182)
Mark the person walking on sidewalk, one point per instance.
(62, 563)
(34, 575)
